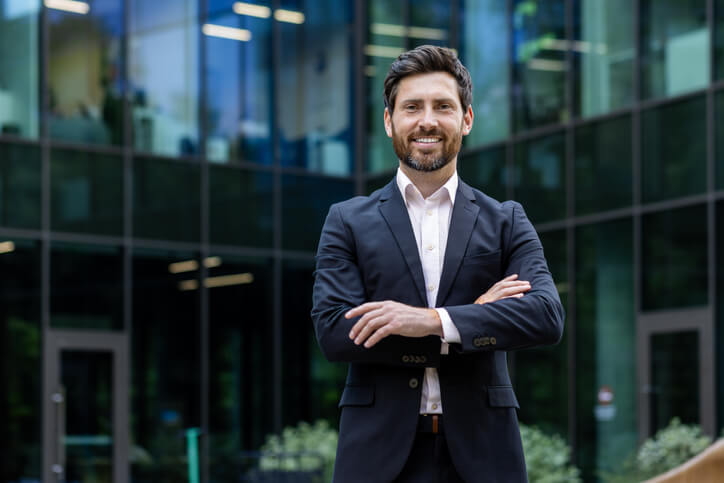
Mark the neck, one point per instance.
(429, 181)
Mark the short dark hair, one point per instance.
(425, 59)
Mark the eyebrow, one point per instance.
(442, 99)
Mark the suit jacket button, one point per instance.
(405, 358)
(413, 383)
(476, 342)
(492, 341)
(423, 359)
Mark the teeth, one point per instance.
(427, 140)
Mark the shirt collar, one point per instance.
(406, 186)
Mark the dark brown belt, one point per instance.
(430, 423)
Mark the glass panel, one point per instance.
(165, 363)
(305, 206)
(539, 68)
(541, 375)
(241, 386)
(86, 287)
(377, 182)
(539, 177)
(315, 85)
(674, 47)
(719, 38)
(312, 385)
(19, 64)
(674, 255)
(674, 379)
(386, 39)
(719, 316)
(238, 85)
(673, 165)
(20, 364)
(87, 378)
(719, 139)
(604, 166)
(486, 171)
(484, 51)
(429, 23)
(606, 387)
(166, 200)
(86, 192)
(164, 39)
(603, 55)
(19, 186)
(241, 207)
(85, 88)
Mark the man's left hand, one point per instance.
(380, 319)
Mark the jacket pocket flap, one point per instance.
(502, 397)
(357, 396)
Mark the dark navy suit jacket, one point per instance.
(367, 252)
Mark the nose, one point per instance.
(428, 120)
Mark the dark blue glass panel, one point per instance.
(487, 171)
(19, 186)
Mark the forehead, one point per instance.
(428, 86)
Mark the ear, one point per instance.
(388, 123)
(468, 121)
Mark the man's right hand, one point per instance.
(510, 286)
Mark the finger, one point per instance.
(361, 309)
(372, 326)
(378, 335)
(363, 321)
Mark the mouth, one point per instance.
(427, 140)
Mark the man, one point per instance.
(397, 294)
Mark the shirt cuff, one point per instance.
(450, 333)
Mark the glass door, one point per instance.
(85, 407)
(675, 372)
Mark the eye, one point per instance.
(410, 107)
(445, 106)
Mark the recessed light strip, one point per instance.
(223, 32)
(68, 6)
(243, 8)
(7, 247)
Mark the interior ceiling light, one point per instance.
(394, 30)
(289, 16)
(251, 10)
(185, 266)
(219, 281)
(223, 32)
(68, 6)
(383, 51)
(7, 247)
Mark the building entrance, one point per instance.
(85, 407)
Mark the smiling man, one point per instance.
(422, 287)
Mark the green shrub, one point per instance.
(669, 448)
(547, 458)
(305, 447)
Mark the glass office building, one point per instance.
(166, 166)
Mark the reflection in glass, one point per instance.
(429, 23)
(718, 307)
(85, 88)
(486, 171)
(675, 261)
(305, 205)
(718, 23)
(603, 165)
(672, 164)
(374, 183)
(606, 431)
(240, 207)
(674, 47)
(86, 287)
(311, 385)
(168, 191)
(238, 88)
(386, 40)
(163, 70)
(20, 363)
(19, 186)
(241, 362)
(539, 179)
(719, 139)
(674, 379)
(19, 68)
(87, 378)
(484, 52)
(86, 192)
(541, 375)
(315, 87)
(603, 55)
(165, 363)
(539, 67)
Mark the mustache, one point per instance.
(422, 134)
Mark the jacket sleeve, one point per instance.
(338, 287)
(515, 323)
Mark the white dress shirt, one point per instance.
(430, 219)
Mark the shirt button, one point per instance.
(430, 247)
(428, 212)
(430, 288)
(434, 406)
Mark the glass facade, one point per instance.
(166, 167)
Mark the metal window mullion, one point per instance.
(360, 83)
(711, 211)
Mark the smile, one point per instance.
(427, 140)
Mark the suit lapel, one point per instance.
(393, 210)
(465, 212)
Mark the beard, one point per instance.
(433, 160)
